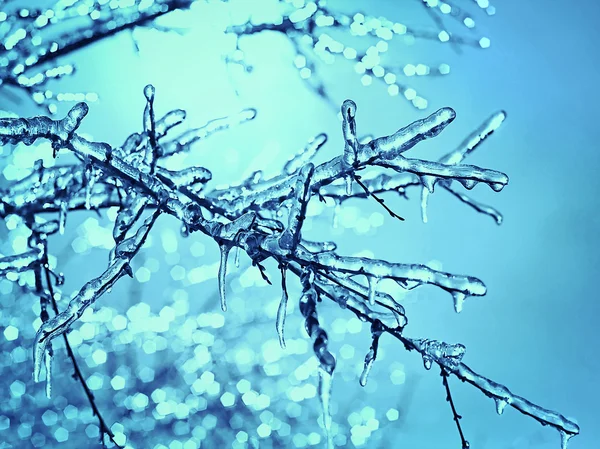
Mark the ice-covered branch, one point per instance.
(248, 217)
(35, 40)
(20, 262)
(89, 293)
(43, 273)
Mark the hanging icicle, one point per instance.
(281, 311)
(376, 331)
(224, 249)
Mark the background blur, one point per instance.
(535, 331)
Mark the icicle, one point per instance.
(236, 257)
(222, 273)
(424, 198)
(501, 404)
(325, 383)
(564, 439)
(188, 177)
(336, 213)
(373, 282)
(459, 299)
(376, 331)
(369, 361)
(428, 187)
(305, 155)
(348, 181)
(49, 355)
(428, 182)
(351, 147)
(281, 311)
(62, 216)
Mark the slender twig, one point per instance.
(455, 415)
(78, 375)
(376, 198)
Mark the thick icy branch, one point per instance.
(89, 293)
(20, 262)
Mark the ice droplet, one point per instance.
(224, 249)
(468, 183)
(427, 362)
(501, 404)
(149, 92)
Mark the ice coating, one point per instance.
(305, 155)
(184, 142)
(128, 215)
(438, 350)
(188, 176)
(442, 354)
(385, 152)
(292, 234)
(467, 146)
(381, 298)
(318, 247)
(170, 120)
(422, 274)
(269, 226)
(20, 262)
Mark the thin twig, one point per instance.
(376, 198)
(78, 375)
(456, 416)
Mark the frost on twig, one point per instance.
(264, 218)
(35, 39)
(320, 34)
